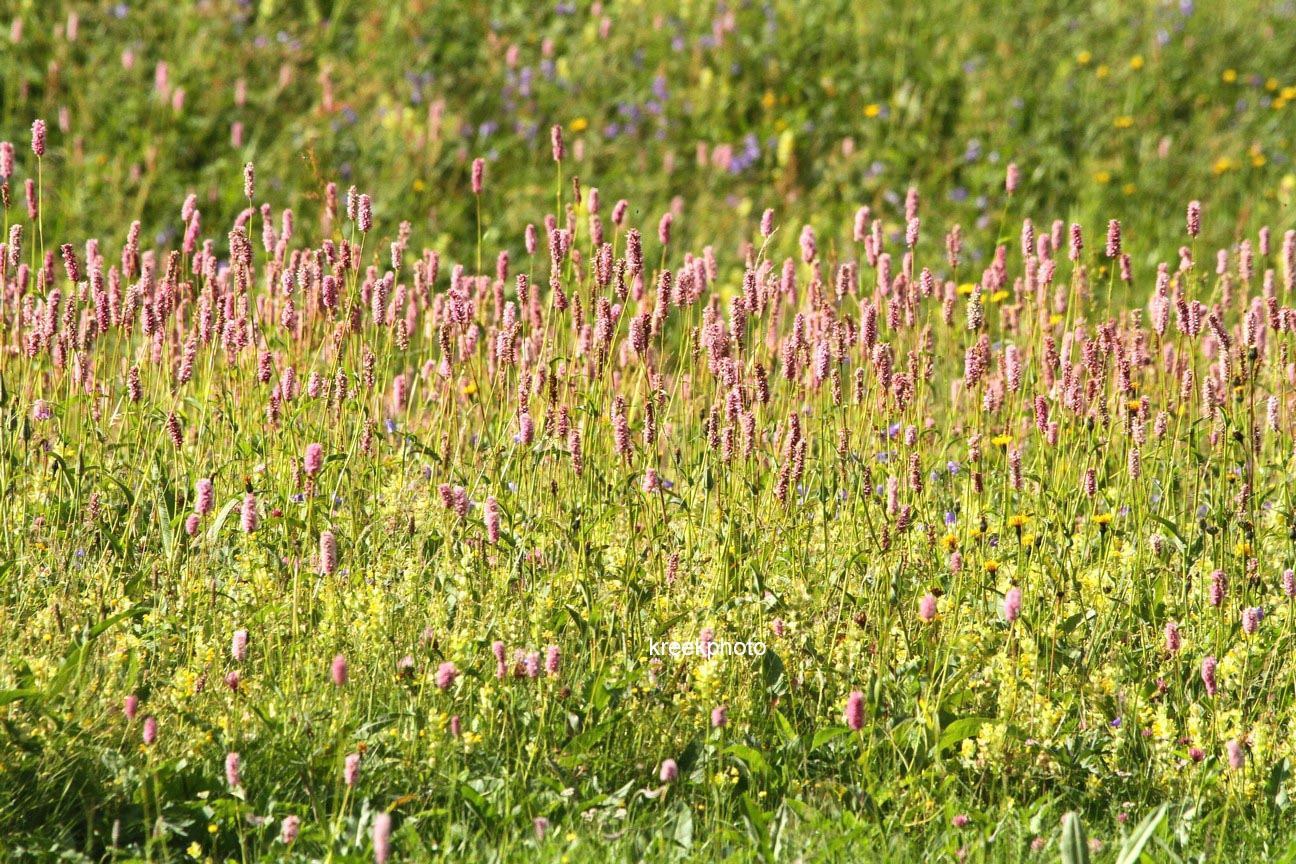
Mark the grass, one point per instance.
(859, 449)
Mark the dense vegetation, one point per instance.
(383, 385)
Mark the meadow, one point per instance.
(758, 432)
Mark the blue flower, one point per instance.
(659, 88)
(950, 518)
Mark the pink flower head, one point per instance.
(446, 674)
(364, 214)
(1012, 604)
(249, 517)
(314, 459)
(478, 174)
(552, 658)
(328, 553)
(1013, 178)
(1113, 239)
(501, 666)
(150, 730)
(339, 671)
(1208, 668)
(855, 710)
(290, 828)
(238, 645)
(131, 706)
(1236, 755)
(38, 138)
(351, 769)
(205, 495)
(1218, 587)
(669, 771)
(927, 608)
(232, 770)
(720, 716)
(556, 141)
(382, 837)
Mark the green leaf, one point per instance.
(214, 531)
(758, 824)
(684, 827)
(774, 672)
(8, 697)
(964, 727)
(164, 521)
(1133, 846)
(1075, 846)
(75, 658)
(581, 744)
(749, 757)
(823, 736)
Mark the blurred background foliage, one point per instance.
(1112, 109)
